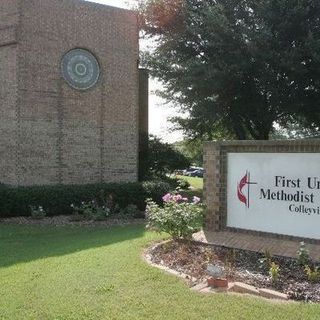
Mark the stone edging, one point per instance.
(234, 287)
(147, 257)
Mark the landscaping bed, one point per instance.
(244, 266)
(66, 220)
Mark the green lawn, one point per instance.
(196, 183)
(85, 273)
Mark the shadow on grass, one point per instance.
(20, 244)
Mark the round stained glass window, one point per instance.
(80, 69)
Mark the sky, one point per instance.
(158, 111)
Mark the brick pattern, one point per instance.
(51, 133)
(212, 189)
(215, 179)
(256, 242)
(8, 36)
(9, 18)
(9, 13)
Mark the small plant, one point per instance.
(108, 202)
(90, 211)
(37, 212)
(274, 272)
(313, 274)
(303, 255)
(267, 259)
(178, 217)
(183, 185)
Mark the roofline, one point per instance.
(100, 5)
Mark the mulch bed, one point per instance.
(60, 221)
(192, 258)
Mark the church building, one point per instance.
(69, 93)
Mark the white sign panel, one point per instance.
(275, 192)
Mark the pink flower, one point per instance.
(196, 200)
(177, 198)
(185, 199)
(167, 197)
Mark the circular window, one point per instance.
(80, 69)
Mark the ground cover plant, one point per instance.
(75, 273)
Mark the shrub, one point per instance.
(183, 185)
(178, 217)
(129, 212)
(313, 274)
(37, 212)
(274, 272)
(155, 190)
(266, 261)
(56, 200)
(90, 211)
(160, 159)
(303, 255)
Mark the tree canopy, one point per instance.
(161, 159)
(236, 67)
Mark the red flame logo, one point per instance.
(245, 181)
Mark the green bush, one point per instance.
(90, 211)
(313, 274)
(37, 213)
(303, 255)
(57, 200)
(130, 212)
(183, 184)
(178, 217)
(274, 272)
(155, 190)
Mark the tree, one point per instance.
(295, 131)
(192, 149)
(236, 67)
(162, 158)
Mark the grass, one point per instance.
(195, 182)
(84, 273)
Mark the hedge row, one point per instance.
(56, 200)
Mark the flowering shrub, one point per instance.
(178, 217)
(37, 212)
(90, 211)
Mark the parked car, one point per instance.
(193, 172)
(186, 172)
(197, 173)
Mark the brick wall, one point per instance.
(9, 18)
(63, 135)
(215, 179)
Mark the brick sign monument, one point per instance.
(269, 188)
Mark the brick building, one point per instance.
(69, 93)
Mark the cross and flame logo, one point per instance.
(245, 181)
